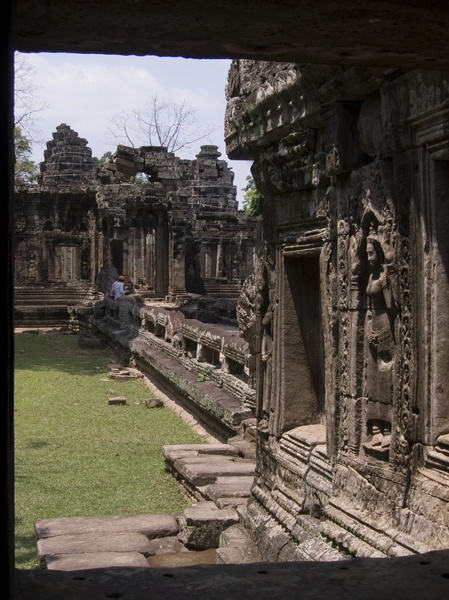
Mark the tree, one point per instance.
(26, 106)
(252, 200)
(103, 159)
(27, 103)
(25, 170)
(160, 123)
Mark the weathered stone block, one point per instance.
(117, 400)
(154, 403)
(201, 526)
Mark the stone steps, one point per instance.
(42, 316)
(52, 301)
(221, 476)
(217, 476)
(49, 306)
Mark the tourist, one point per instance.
(118, 288)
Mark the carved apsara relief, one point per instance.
(265, 311)
(370, 359)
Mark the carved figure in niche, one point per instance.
(266, 351)
(376, 276)
(32, 266)
(381, 306)
(246, 317)
(266, 355)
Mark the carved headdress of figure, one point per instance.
(374, 239)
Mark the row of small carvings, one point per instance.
(173, 327)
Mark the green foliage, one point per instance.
(103, 159)
(77, 455)
(252, 200)
(25, 170)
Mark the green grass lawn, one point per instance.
(76, 455)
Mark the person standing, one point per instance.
(118, 288)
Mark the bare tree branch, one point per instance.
(27, 103)
(120, 129)
(160, 123)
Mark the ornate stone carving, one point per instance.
(372, 266)
(246, 318)
(404, 421)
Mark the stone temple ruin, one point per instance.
(337, 318)
(351, 295)
(338, 370)
(175, 232)
(341, 153)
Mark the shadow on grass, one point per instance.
(52, 350)
(25, 554)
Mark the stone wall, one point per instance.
(203, 366)
(171, 226)
(211, 242)
(343, 321)
(350, 297)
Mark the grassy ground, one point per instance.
(76, 455)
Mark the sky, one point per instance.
(85, 91)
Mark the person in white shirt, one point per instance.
(118, 287)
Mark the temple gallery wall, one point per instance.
(338, 296)
(351, 293)
(171, 226)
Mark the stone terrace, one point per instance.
(204, 366)
(217, 477)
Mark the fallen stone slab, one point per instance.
(178, 450)
(122, 374)
(93, 542)
(151, 525)
(97, 560)
(121, 400)
(166, 545)
(229, 487)
(153, 403)
(201, 472)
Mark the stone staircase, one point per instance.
(50, 305)
(217, 288)
(219, 473)
(218, 480)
